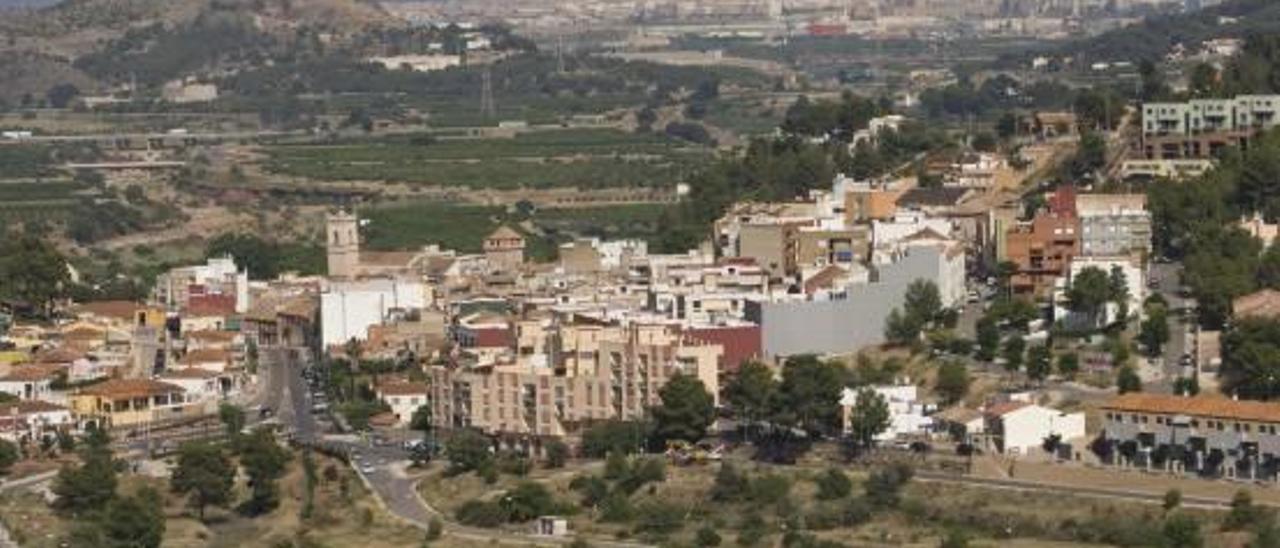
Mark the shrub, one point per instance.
(883, 486)
(643, 471)
(770, 489)
(468, 450)
(514, 464)
(528, 501)
(707, 537)
(614, 437)
(730, 485)
(557, 454)
(833, 484)
(752, 530)
(616, 508)
(478, 513)
(659, 518)
(593, 489)
(435, 528)
(616, 466)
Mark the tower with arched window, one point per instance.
(343, 244)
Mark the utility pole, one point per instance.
(487, 108)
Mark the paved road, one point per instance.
(1094, 492)
(1168, 283)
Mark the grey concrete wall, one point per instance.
(822, 327)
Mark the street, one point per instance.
(1167, 283)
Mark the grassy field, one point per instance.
(671, 512)
(579, 158)
(463, 227)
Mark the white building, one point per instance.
(219, 275)
(30, 382)
(907, 415)
(349, 308)
(404, 398)
(1019, 428)
(1135, 280)
(418, 63)
(33, 420)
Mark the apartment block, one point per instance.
(609, 373)
(1114, 224)
(1199, 128)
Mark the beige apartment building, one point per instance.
(582, 373)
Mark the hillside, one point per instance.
(75, 27)
(1152, 39)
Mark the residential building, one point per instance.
(1042, 249)
(1259, 228)
(1200, 128)
(125, 403)
(596, 372)
(1262, 304)
(1175, 169)
(218, 276)
(32, 382)
(418, 63)
(854, 318)
(403, 397)
(33, 421)
(1020, 428)
(1135, 282)
(1114, 224)
(908, 416)
(348, 308)
(1206, 435)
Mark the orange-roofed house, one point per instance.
(31, 381)
(209, 359)
(404, 398)
(1207, 435)
(121, 313)
(33, 420)
(125, 403)
(1263, 304)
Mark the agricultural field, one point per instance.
(576, 158)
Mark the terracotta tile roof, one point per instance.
(60, 355)
(33, 372)
(27, 407)
(188, 373)
(206, 355)
(210, 306)
(402, 388)
(504, 232)
(1262, 304)
(210, 335)
(110, 309)
(1001, 409)
(824, 279)
(959, 415)
(388, 258)
(124, 388)
(1199, 406)
(84, 333)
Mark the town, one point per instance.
(797, 274)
